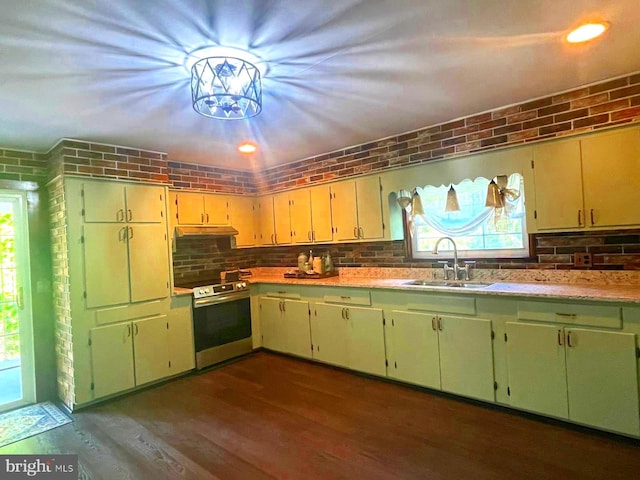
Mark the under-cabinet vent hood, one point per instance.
(209, 231)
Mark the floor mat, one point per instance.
(25, 422)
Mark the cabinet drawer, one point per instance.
(571, 314)
(359, 298)
(123, 313)
(284, 294)
(445, 304)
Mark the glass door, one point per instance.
(17, 383)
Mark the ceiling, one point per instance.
(339, 72)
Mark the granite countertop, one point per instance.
(597, 292)
(182, 291)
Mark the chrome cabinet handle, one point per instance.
(568, 315)
(202, 218)
(309, 235)
(560, 337)
(272, 241)
(207, 217)
(128, 330)
(579, 218)
(592, 220)
(120, 215)
(433, 324)
(136, 325)
(348, 315)
(130, 232)
(343, 314)
(284, 306)
(129, 215)
(355, 232)
(440, 323)
(122, 234)
(569, 340)
(361, 232)
(313, 236)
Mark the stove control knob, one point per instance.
(243, 284)
(201, 291)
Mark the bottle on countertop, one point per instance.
(302, 259)
(328, 263)
(311, 258)
(318, 267)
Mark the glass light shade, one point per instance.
(587, 32)
(416, 204)
(403, 198)
(494, 198)
(452, 204)
(226, 88)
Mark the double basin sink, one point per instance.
(451, 283)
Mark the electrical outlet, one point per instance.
(582, 259)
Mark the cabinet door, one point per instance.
(272, 324)
(466, 357)
(557, 176)
(216, 210)
(537, 372)
(105, 264)
(300, 212)
(151, 349)
(145, 203)
(190, 208)
(112, 359)
(344, 211)
(321, 214)
(297, 329)
(369, 208)
(148, 261)
(602, 379)
(281, 219)
(265, 221)
(242, 214)
(610, 166)
(103, 202)
(329, 334)
(412, 348)
(365, 345)
(181, 348)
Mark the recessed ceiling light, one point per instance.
(587, 32)
(247, 147)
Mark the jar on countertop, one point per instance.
(302, 259)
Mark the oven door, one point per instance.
(222, 331)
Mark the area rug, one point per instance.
(28, 421)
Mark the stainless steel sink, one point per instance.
(432, 283)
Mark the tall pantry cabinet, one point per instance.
(117, 295)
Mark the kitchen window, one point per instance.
(479, 231)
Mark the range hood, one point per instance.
(208, 231)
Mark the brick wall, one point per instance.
(61, 293)
(22, 166)
(202, 177)
(606, 104)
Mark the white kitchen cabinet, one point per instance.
(588, 182)
(110, 202)
(242, 213)
(181, 346)
(349, 336)
(285, 325)
(125, 263)
(466, 356)
(112, 359)
(150, 347)
(356, 208)
(587, 376)
(412, 348)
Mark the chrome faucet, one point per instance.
(446, 266)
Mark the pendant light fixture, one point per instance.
(452, 204)
(403, 198)
(416, 204)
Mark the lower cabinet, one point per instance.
(351, 337)
(126, 355)
(454, 354)
(588, 376)
(285, 326)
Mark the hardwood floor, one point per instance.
(269, 416)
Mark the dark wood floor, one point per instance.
(268, 416)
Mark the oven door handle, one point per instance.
(203, 302)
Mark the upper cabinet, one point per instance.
(108, 202)
(356, 207)
(201, 209)
(242, 215)
(588, 182)
(310, 211)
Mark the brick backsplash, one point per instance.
(584, 109)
